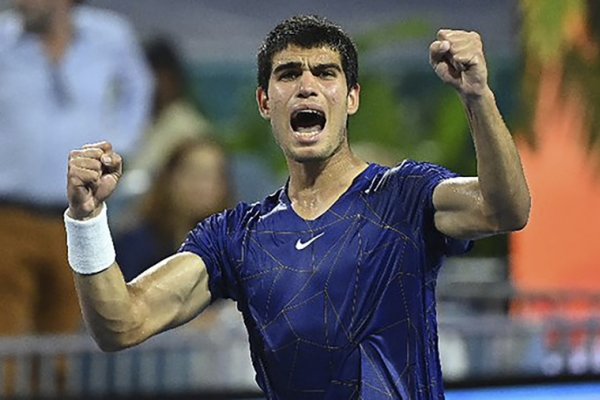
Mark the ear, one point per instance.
(353, 99)
(262, 99)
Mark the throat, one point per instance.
(310, 206)
(313, 195)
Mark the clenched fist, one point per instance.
(94, 171)
(457, 58)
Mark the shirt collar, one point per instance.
(21, 35)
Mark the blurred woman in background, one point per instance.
(175, 116)
(192, 184)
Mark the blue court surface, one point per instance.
(580, 391)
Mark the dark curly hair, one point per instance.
(307, 31)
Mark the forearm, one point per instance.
(500, 173)
(122, 314)
(106, 302)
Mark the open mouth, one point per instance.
(308, 121)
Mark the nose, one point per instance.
(307, 85)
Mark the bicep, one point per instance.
(460, 210)
(173, 291)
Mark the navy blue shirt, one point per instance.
(343, 306)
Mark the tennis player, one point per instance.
(335, 272)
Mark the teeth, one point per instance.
(307, 111)
(308, 131)
(311, 112)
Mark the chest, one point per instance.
(323, 281)
(85, 77)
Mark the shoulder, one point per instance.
(225, 231)
(239, 217)
(242, 217)
(412, 168)
(411, 184)
(411, 171)
(269, 206)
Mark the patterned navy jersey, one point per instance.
(343, 306)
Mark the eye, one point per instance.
(327, 73)
(288, 75)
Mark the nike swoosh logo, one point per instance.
(302, 246)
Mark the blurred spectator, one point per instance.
(192, 184)
(174, 116)
(70, 74)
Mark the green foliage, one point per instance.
(549, 39)
(451, 133)
(380, 118)
(544, 27)
(393, 33)
(253, 134)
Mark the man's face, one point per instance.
(36, 14)
(308, 102)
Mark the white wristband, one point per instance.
(90, 245)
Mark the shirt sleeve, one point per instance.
(416, 182)
(218, 241)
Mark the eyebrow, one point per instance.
(287, 65)
(326, 66)
(298, 65)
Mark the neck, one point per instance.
(59, 34)
(315, 186)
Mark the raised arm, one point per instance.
(120, 314)
(497, 200)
